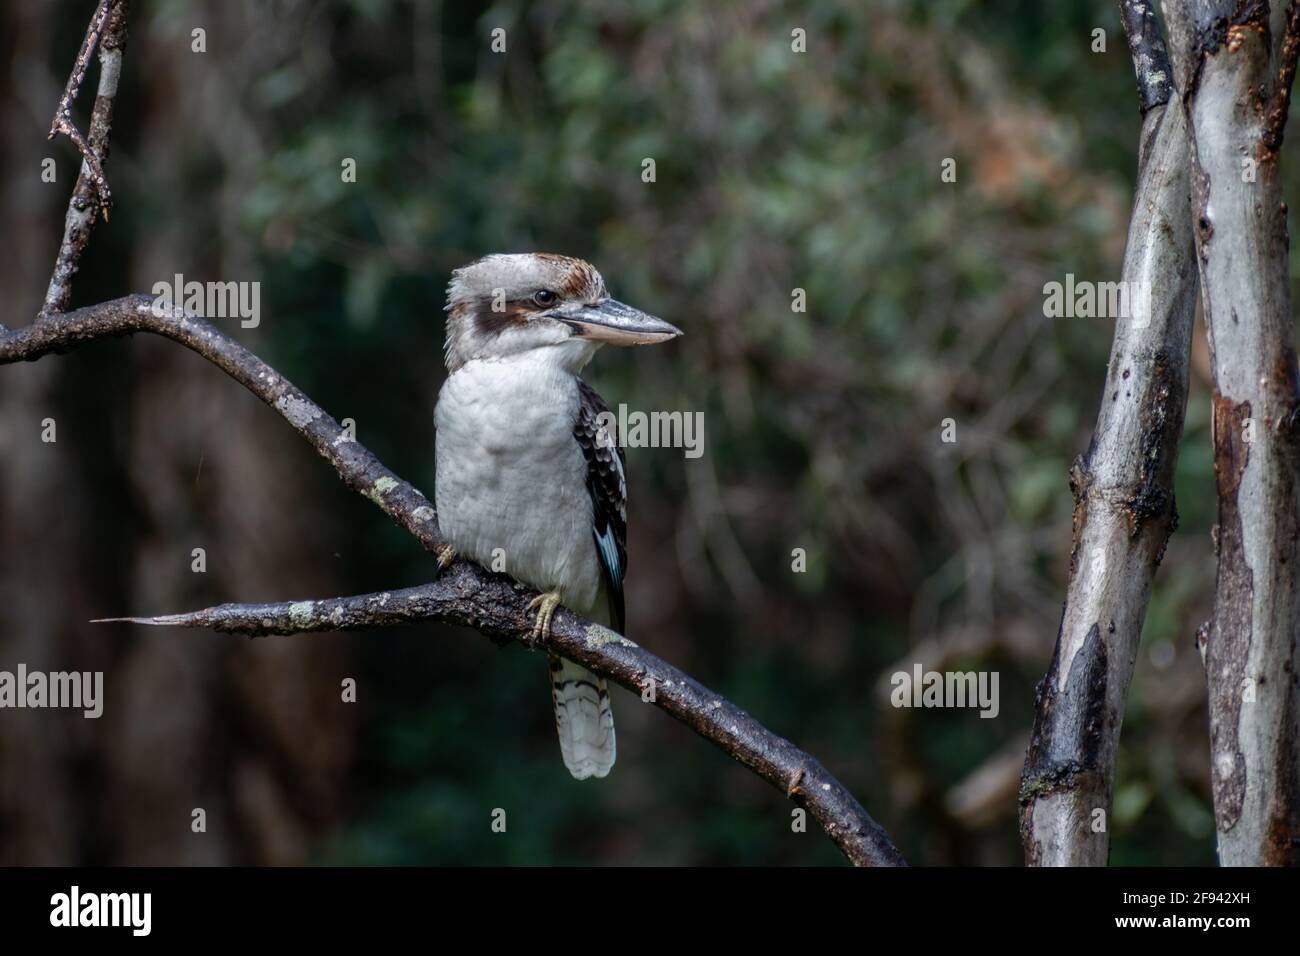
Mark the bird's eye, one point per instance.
(544, 297)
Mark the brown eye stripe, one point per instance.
(489, 323)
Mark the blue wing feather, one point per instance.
(607, 485)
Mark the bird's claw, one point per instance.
(545, 605)
(446, 555)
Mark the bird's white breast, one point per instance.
(511, 478)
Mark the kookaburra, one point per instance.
(528, 480)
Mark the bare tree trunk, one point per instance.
(1236, 99)
(1123, 490)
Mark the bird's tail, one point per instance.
(583, 718)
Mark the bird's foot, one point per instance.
(545, 605)
(446, 555)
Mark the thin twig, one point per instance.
(62, 122)
(78, 74)
(91, 193)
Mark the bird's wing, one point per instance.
(608, 488)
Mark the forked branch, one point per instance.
(91, 193)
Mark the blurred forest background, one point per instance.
(775, 170)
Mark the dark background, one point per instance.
(775, 170)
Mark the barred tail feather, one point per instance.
(583, 719)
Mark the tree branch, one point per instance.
(91, 193)
(1123, 490)
(1147, 48)
(466, 594)
(360, 470)
(498, 608)
(1223, 49)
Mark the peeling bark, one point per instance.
(1235, 101)
(1235, 589)
(1124, 498)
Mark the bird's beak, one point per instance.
(614, 323)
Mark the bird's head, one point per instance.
(508, 304)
